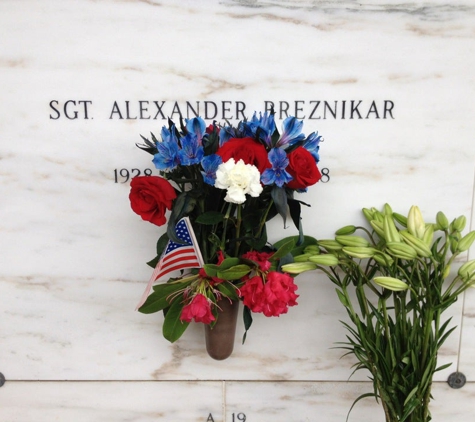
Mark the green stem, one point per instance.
(225, 225)
(238, 230)
(263, 219)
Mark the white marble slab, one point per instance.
(263, 401)
(73, 253)
(229, 401)
(111, 401)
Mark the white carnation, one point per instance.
(239, 179)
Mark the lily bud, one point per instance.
(330, 245)
(346, 230)
(466, 242)
(442, 221)
(378, 228)
(383, 259)
(298, 267)
(459, 223)
(377, 215)
(446, 272)
(360, 252)
(350, 240)
(391, 234)
(454, 241)
(467, 270)
(419, 245)
(391, 283)
(401, 219)
(324, 259)
(368, 214)
(312, 249)
(428, 235)
(387, 210)
(415, 222)
(302, 258)
(401, 250)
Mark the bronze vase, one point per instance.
(220, 337)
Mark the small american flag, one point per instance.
(176, 256)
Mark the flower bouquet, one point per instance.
(222, 184)
(392, 282)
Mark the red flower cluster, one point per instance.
(272, 297)
(198, 309)
(261, 258)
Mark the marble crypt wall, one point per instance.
(389, 85)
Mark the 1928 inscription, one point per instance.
(123, 175)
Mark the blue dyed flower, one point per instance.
(191, 150)
(226, 133)
(312, 145)
(197, 127)
(261, 128)
(277, 174)
(167, 157)
(292, 132)
(210, 164)
(169, 135)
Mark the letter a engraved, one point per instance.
(210, 418)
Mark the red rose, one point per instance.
(303, 168)
(247, 150)
(150, 196)
(199, 308)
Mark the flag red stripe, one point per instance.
(179, 252)
(178, 266)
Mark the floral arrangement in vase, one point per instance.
(395, 282)
(222, 184)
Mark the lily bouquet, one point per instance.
(395, 281)
(222, 184)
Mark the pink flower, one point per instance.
(198, 309)
(272, 298)
(253, 294)
(262, 258)
(280, 293)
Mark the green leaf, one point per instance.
(440, 368)
(280, 200)
(357, 400)
(210, 218)
(182, 206)
(159, 299)
(247, 317)
(228, 290)
(173, 327)
(294, 209)
(234, 273)
(414, 391)
(342, 298)
(307, 241)
(213, 269)
(153, 263)
(283, 250)
(162, 244)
